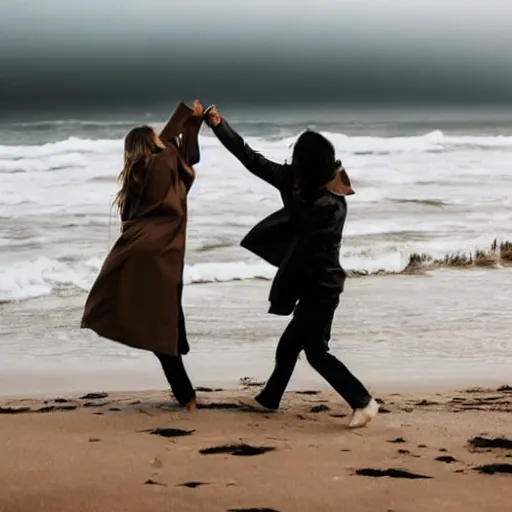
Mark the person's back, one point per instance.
(313, 260)
(309, 279)
(315, 216)
(147, 193)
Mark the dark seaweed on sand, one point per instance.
(491, 469)
(94, 396)
(391, 473)
(448, 459)
(169, 432)
(489, 442)
(219, 405)
(192, 485)
(237, 449)
(252, 510)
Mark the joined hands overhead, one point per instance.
(197, 109)
(213, 118)
(211, 115)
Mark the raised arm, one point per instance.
(185, 122)
(257, 164)
(189, 144)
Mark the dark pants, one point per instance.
(177, 377)
(174, 368)
(310, 330)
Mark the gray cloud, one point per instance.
(62, 55)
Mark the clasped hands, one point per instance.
(212, 117)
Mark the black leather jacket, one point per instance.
(302, 239)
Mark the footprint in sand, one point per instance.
(319, 408)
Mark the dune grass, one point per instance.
(499, 253)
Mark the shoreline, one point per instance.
(417, 265)
(41, 385)
(438, 330)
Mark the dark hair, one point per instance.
(313, 162)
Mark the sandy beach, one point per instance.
(414, 340)
(105, 453)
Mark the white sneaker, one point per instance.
(362, 417)
(253, 405)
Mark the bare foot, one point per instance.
(191, 405)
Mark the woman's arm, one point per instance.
(189, 143)
(253, 161)
(185, 122)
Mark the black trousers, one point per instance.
(174, 369)
(310, 330)
(177, 378)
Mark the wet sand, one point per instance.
(97, 453)
(439, 330)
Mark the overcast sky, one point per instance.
(71, 55)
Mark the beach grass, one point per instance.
(497, 254)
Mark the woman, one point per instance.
(303, 240)
(136, 299)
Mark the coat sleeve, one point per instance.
(182, 130)
(176, 123)
(254, 162)
(189, 143)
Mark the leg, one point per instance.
(174, 368)
(317, 320)
(177, 377)
(287, 353)
(183, 346)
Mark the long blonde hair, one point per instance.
(139, 145)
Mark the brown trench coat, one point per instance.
(136, 298)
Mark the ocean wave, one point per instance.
(44, 276)
(72, 145)
(52, 123)
(73, 151)
(435, 141)
(423, 202)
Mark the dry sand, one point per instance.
(96, 454)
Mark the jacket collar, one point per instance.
(340, 185)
